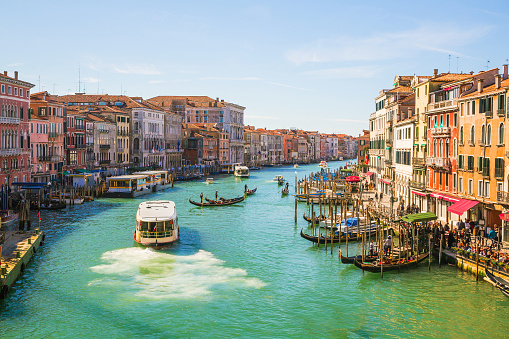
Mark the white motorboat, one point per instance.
(241, 171)
(295, 165)
(156, 223)
(209, 180)
(322, 164)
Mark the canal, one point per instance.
(238, 271)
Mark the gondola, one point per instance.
(335, 238)
(317, 218)
(251, 192)
(220, 202)
(285, 191)
(376, 268)
(350, 260)
(54, 206)
(280, 181)
(503, 285)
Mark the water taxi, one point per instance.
(127, 186)
(323, 164)
(156, 180)
(340, 158)
(156, 223)
(278, 178)
(209, 180)
(295, 165)
(241, 171)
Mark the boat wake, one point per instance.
(160, 275)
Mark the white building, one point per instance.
(233, 123)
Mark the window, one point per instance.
(473, 107)
(480, 186)
(501, 134)
(454, 175)
(21, 92)
(479, 164)
(455, 148)
(455, 122)
(3, 89)
(16, 91)
(472, 135)
(9, 90)
(460, 184)
(461, 135)
(487, 189)
(460, 161)
(500, 187)
(488, 135)
(471, 162)
(483, 134)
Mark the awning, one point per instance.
(419, 217)
(419, 193)
(387, 182)
(504, 216)
(353, 178)
(444, 197)
(462, 206)
(368, 174)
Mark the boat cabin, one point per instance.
(156, 223)
(127, 183)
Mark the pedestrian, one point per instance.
(371, 248)
(381, 195)
(376, 195)
(216, 195)
(388, 245)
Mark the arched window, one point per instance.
(441, 153)
(435, 148)
(447, 148)
(455, 148)
(136, 144)
(483, 133)
(472, 134)
(501, 133)
(488, 135)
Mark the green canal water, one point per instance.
(238, 271)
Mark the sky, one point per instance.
(313, 65)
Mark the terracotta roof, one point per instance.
(196, 101)
(451, 77)
(488, 90)
(26, 84)
(400, 89)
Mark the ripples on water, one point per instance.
(240, 271)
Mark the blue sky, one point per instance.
(315, 65)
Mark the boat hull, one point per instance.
(377, 268)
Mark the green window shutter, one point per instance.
(479, 164)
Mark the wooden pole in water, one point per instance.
(332, 219)
(326, 233)
(295, 202)
(440, 252)
(381, 253)
(312, 216)
(417, 245)
(476, 258)
(429, 255)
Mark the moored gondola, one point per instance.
(317, 218)
(335, 238)
(350, 260)
(502, 285)
(54, 205)
(390, 265)
(219, 202)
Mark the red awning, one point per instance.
(353, 178)
(368, 174)
(461, 206)
(444, 197)
(419, 193)
(387, 182)
(504, 216)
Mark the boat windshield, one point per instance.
(157, 226)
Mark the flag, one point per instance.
(367, 160)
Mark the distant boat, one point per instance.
(322, 164)
(8, 217)
(278, 177)
(241, 171)
(156, 223)
(209, 180)
(295, 165)
(340, 158)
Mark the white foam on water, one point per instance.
(160, 275)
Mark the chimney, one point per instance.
(497, 81)
(505, 75)
(479, 85)
(5, 73)
(471, 72)
(435, 72)
(16, 75)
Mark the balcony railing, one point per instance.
(501, 112)
(441, 105)
(489, 114)
(91, 157)
(486, 172)
(503, 196)
(81, 146)
(499, 172)
(104, 146)
(441, 131)
(417, 184)
(388, 162)
(438, 162)
(10, 151)
(104, 162)
(52, 134)
(120, 150)
(9, 120)
(44, 158)
(418, 162)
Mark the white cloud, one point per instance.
(285, 85)
(231, 79)
(388, 45)
(156, 81)
(344, 72)
(141, 69)
(15, 64)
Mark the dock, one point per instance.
(17, 248)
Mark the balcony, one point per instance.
(417, 185)
(81, 146)
(9, 120)
(489, 114)
(120, 150)
(499, 173)
(418, 162)
(481, 142)
(503, 197)
(441, 131)
(104, 162)
(501, 112)
(104, 147)
(439, 162)
(44, 158)
(388, 162)
(90, 157)
(441, 105)
(10, 151)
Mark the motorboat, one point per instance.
(295, 165)
(209, 180)
(241, 171)
(7, 218)
(156, 223)
(278, 178)
(322, 164)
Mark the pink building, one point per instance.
(14, 124)
(39, 149)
